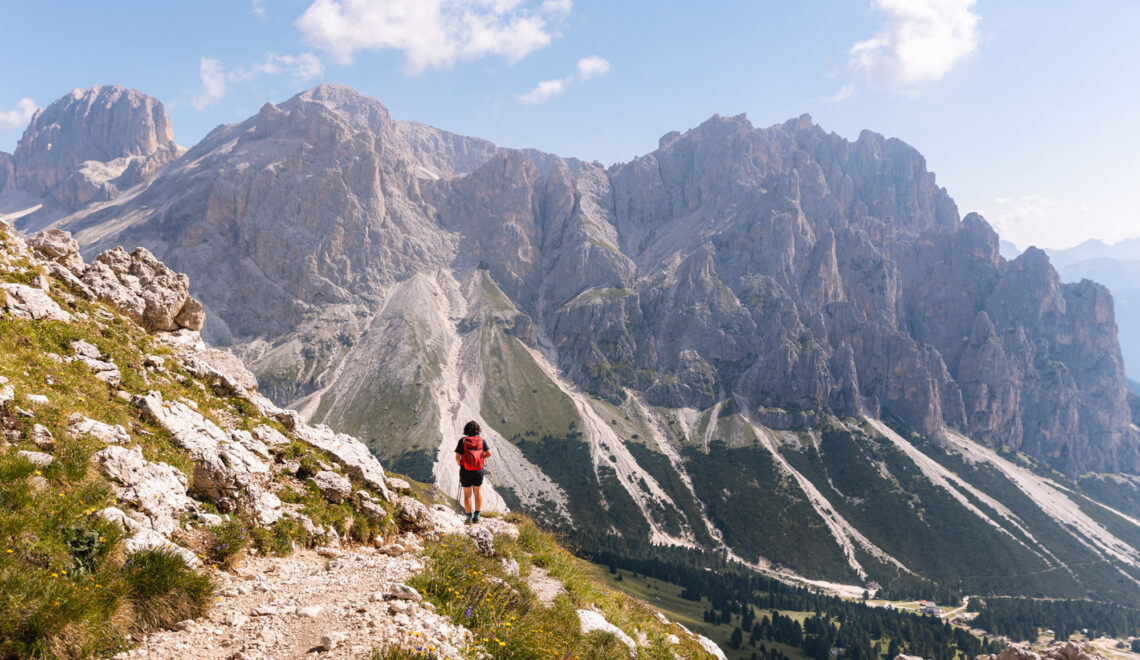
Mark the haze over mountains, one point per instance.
(725, 343)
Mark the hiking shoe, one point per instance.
(475, 517)
(469, 519)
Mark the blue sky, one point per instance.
(1026, 110)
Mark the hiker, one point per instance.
(470, 453)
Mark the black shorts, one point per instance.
(469, 478)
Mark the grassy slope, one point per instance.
(66, 588)
(509, 623)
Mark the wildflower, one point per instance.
(55, 575)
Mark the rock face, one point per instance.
(92, 144)
(786, 270)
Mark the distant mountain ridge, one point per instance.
(741, 316)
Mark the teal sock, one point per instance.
(475, 517)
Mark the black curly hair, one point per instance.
(471, 428)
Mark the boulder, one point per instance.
(89, 355)
(415, 514)
(711, 647)
(79, 426)
(270, 436)
(144, 289)
(484, 539)
(333, 486)
(7, 394)
(158, 489)
(35, 457)
(58, 246)
(350, 453)
(42, 437)
(32, 304)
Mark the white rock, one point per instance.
(7, 395)
(225, 471)
(673, 639)
(333, 486)
(79, 426)
(484, 540)
(30, 303)
(42, 437)
(310, 612)
(158, 489)
(270, 436)
(399, 484)
(331, 640)
(35, 457)
(710, 646)
(144, 538)
(38, 399)
(350, 453)
(591, 620)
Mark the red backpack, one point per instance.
(473, 453)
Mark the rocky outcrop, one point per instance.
(1055, 651)
(226, 472)
(158, 489)
(136, 284)
(92, 144)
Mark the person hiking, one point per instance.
(470, 454)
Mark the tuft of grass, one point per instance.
(230, 539)
(163, 590)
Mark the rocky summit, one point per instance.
(773, 342)
(88, 147)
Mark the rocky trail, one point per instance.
(327, 603)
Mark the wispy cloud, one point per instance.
(544, 91)
(588, 67)
(845, 92)
(922, 41)
(19, 116)
(213, 76)
(216, 80)
(258, 8)
(432, 34)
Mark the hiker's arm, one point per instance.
(459, 460)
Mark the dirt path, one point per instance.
(283, 607)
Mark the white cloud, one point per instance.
(845, 92)
(258, 8)
(545, 90)
(301, 67)
(19, 116)
(589, 67)
(213, 77)
(216, 80)
(562, 7)
(922, 41)
(432, 34)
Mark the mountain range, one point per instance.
(774, 343)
